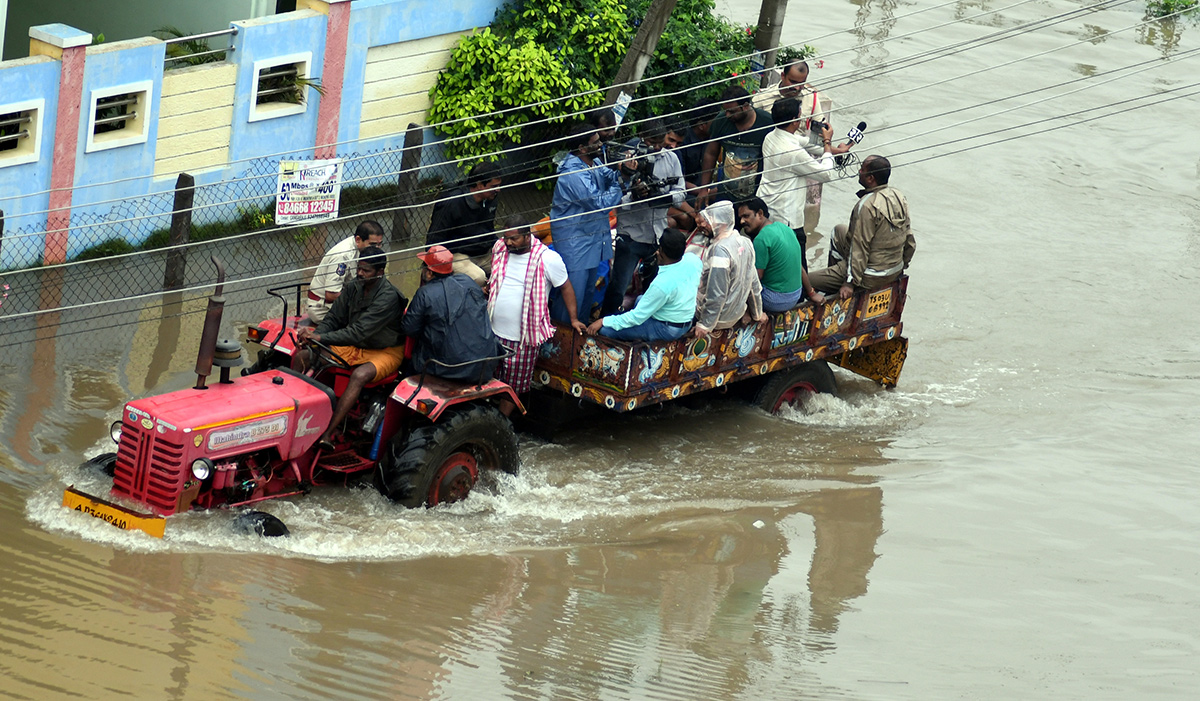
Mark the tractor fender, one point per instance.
(430, 396)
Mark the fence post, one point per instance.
(406, 185)
(181, 229)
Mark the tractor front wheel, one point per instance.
(440, 463)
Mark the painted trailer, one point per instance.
(789, 354)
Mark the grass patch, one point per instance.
(104, 249)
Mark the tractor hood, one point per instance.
(276, 408)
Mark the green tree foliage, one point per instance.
(1164, 8)
(696, 35)
(536, 53)
(540, 51)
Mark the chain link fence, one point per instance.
(124, 260)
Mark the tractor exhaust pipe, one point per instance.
(212, 327)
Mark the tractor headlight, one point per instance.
(114, 432)
(202, 468)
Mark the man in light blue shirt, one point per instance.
(665, 311)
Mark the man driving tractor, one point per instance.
(361, 328)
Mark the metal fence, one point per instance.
(109, 278)
(196, 49)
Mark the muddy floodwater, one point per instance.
(1017, 520)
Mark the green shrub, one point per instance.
(159, 238)
(105, 249)
(1163, 8)
(539, 50)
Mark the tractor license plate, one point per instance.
(118, 516)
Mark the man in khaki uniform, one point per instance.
(878, 245)
(339, 267)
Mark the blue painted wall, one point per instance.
(382, 22)
(100, 206)
(24, 189)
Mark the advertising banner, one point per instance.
(308, 191)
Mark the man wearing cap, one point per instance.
(448, 319)
(524, 270)
(363, 328)
(338, 268)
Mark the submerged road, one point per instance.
(1016, 520)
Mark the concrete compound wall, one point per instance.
(386, 54)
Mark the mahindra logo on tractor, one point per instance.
(252, 432)
(302, 427)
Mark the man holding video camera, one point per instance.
(653, 181)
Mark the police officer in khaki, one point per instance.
(878, 245)
(338, 268)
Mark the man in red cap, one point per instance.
(448, 319)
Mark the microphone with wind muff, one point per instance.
(853, 138)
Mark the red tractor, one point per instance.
(422, 440)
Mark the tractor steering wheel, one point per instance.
(329, 354)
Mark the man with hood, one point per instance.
(448, 319)
(583, 196)
(729, 284)
(873, 251)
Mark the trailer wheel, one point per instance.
(104, 462)
(439, 464)
(790, 386)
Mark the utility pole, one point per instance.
(770, 33)
(641, 50)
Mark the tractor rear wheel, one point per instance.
(790, 387)
(440, 463)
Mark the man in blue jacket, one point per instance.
(448, 318)
(583, 196)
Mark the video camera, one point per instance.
(642, 171)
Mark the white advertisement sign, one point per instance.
(308, 191)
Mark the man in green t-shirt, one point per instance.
(777, 256)
(736, 147)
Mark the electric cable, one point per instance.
(573, 95)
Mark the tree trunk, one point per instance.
(770, 33)
(641, 50)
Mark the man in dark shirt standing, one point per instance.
(736, 149)
(464, 221)
(695, 137)
(449, 320)
(363, 328)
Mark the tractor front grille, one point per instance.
(149, 469)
